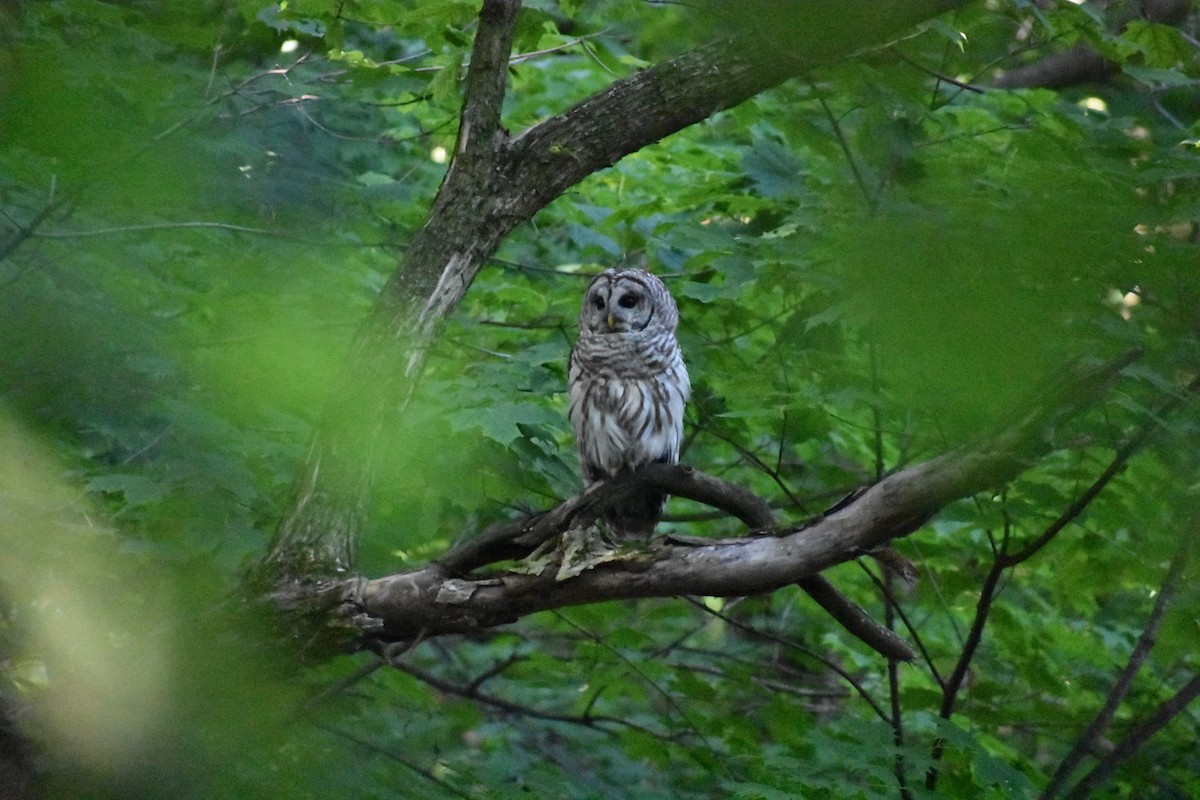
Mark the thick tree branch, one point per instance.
(640, 110)
(518, 539)
(432, 601)
(479, 126)
(1080, 64)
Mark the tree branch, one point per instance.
(1080, 64)
(1004, 561)
(1124, 682)
(318, 532)
(389, 753)
(473, 692)
(775, 638)
(1138, 735)
(646, 107)
(23, 232)
(1083, 63)
(434, 600)
(518, 539)
(855, 619)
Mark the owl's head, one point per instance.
(627, 301)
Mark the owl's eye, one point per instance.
(598, 302)
(628, 300)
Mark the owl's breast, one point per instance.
(625, 356)
(622, 422)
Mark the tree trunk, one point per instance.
(495, 183)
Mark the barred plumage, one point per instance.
(628, 386)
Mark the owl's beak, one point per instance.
(611, 321)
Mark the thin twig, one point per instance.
(29, 229)
(339, 686)
(755, 461)
(954, 683)
(1138, 735)
(587, 49)
(899, 767)
(149, 446)
(870, 199)
(663, 693)
(154, 226)
(1134, 444)
(926, 656)
(497, 668)
(1124, 680)
(394, 756)
(596, 721)
(766, 683)
(940, 76)
(1005, 560)
(791, 645)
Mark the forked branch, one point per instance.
(448, 596)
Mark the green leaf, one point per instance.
(1161, 46)
(775, 170)
(1160, 78)
(137, 490)
(500, 422)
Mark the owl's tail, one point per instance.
(634, 519)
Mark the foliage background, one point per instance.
(199, 205)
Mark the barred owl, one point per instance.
(627, 386)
